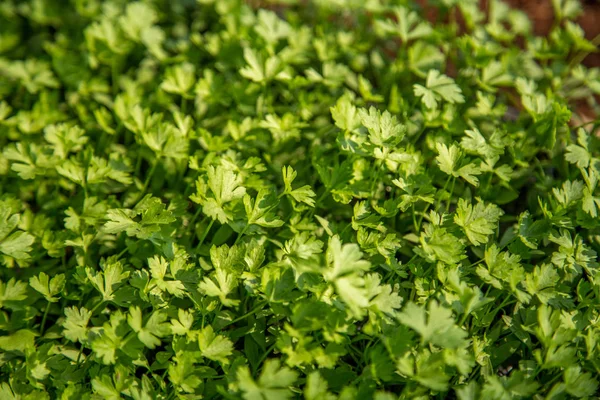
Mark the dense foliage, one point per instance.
(332, 199)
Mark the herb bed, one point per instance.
(333, 199)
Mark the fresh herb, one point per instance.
(296, 199)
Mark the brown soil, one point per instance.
(542, 15)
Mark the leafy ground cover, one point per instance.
(333, 199)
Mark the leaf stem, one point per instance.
(321, 198)
(579, 57)
(97, 306)
(240, 235)
(266, 354)
(195, 217)
(114, 73)
(212, 221)
(44, 319)
(147, 181)
(79, 355)
(255, 309)
(414, 218)
(423, 216)
(450, 195)
(183, 105)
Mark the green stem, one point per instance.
(319, 200)
(195, 217)
(114, 72)
(444, 189)
(79, 355)
(147, 181)
(240, 235)
(183, 105)
(101, 140)
(97, 306)
(266, 354)
(263, 97)
(44, 319)
(414, 218)
(423, 216)
(376, 177)
(138, 164)
(579, 57)
(212, 221)
(255, 309)
(507, 300)
(450, 195)
(150, 174)
(122, 252)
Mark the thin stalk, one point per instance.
(122, 252)
(240, 235)
(114, 73)
(450, 196)
(255, 309)
(44, 319)
(79, 355)
(183, 105)
(414, 218)
(321, 198)
(138, 164)
(579, 57)
(147, 181)
(195, 217)
(101, 141)
(212, 221)
(263, 97)
(97, 306)
(423, 216)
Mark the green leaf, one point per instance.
(438, 244)
(154, 328)
(17, 245)
(438, 87)
(12, 291)
(179, 79)
(272, 384)
(316, 388)
(383, 129)
(75, 324)
(49, 288)
(182, 325)
(22, 340)
(345, 270)
(303, 194)
(214, 347)
(258, 211)
(579, 384)
(579, 153)
(107, 280)
(449, 161)
(436, 325)
(479, 221)
(221, 286)
(408, 25)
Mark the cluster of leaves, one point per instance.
(332, 199)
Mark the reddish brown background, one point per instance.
(542, 15)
